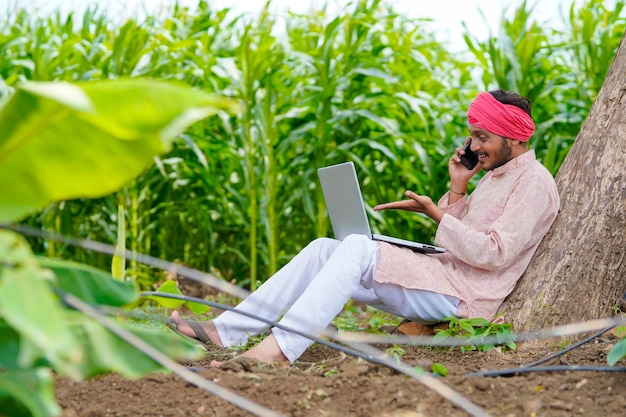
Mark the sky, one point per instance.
(482, 17)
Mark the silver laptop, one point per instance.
(346, 209)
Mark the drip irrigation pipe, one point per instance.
(532, 367)
(193, 274)
(500, 372)
(557, 331)
(572, 347)
(553, 368)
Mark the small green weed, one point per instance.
(395, 352)
(347, 323)
(477, 330)
(439, 369)
(372, 320)
(332, 372)
(564, 344)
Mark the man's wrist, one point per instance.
(458, 187)
(435, 213)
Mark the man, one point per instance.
(490, 239)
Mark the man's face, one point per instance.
(492, 150)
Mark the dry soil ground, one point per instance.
(327, 383)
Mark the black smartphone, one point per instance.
(469, 159)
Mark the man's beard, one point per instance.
(501, 157)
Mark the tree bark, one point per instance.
(579, 270)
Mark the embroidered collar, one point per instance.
(523, 159)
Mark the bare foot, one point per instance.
(267, 351)
(185, 328)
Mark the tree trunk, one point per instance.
(579, 271)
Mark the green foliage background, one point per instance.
(238, 194)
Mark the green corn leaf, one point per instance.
(28, 393)
(110, 130)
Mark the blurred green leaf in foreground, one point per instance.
(61, 141)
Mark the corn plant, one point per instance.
(238, 194)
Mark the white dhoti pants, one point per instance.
(312, 289)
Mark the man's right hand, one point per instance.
(459, 174)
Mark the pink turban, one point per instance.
(504, 120)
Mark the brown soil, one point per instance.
(325, 382)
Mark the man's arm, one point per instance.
(459, 178)
(519, 224)
(417, 203)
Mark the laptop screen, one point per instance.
(344, 201)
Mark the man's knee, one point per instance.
(360, 242)
(357, 245)
(362, 252)
(323, 246)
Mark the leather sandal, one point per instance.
(200, 334)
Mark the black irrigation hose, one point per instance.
(570, 348)
(532, 367)
(554, 368)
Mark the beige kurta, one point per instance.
(490, 239)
